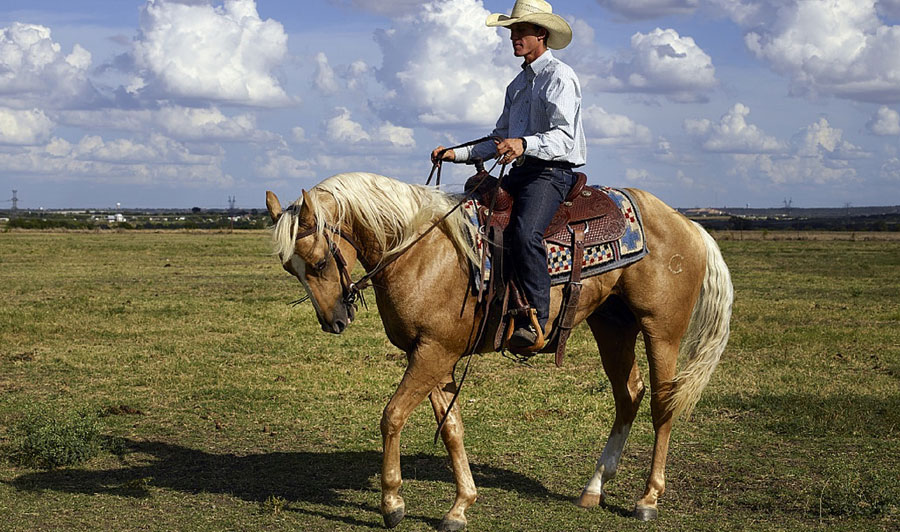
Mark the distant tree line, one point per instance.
(889, 222)
(137, 223)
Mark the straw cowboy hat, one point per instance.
(540, 13)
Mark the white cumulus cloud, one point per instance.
(35, 71)
(191, 49)
(342, 129)
(819, 155)
(732, 134)
(662, 62)
(838, 47)
(280, 165)
(324, 79)
(157, 160)
(605, 128)
(444, 67)
(820, 138)
(885, 122)
(179, 122)
(190, 123)
(24, 127)
(891, 169)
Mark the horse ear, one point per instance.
(307, 218)
(273, 205)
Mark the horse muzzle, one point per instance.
(342, 316)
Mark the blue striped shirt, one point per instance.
(543, 106)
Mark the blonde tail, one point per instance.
(707, 333)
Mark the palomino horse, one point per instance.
(679, 296)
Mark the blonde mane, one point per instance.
(391, 211)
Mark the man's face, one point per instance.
(524, 38)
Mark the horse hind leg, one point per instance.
(707, 329)
(662, 355)
(452, 434)
(615, 331)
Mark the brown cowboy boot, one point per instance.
(523, 337)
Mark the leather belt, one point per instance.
(534, 161)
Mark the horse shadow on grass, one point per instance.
(319, 478)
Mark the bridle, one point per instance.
(351, 292)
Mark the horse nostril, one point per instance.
(339, 326)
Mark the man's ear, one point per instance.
(273, 205)
(307, 218)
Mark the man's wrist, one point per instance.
(524, 145)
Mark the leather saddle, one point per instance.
(587, 217)
(583, 205)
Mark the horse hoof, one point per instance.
(589, 500)
(450, 525)
(393, 519)
(643, 513)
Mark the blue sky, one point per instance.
(182, 103)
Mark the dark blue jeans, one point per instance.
(538, 191)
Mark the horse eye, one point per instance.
(319, 266)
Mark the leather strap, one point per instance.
(573, 294)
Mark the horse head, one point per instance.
(319, 258)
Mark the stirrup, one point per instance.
(538, 342)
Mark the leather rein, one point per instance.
(352, 291)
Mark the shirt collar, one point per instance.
(539, 64)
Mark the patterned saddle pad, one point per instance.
(597, 259)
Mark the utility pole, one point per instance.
(231, 201)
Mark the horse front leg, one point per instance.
(425, 371)
(452, 434)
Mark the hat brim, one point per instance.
(560, 34)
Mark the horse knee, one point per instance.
(453, 427)
(391, 422)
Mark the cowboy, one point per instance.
(542, 132)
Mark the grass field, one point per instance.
(231, 410)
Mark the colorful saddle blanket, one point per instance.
(597, 259)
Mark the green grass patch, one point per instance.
(218, 406)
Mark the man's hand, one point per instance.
(447, 156)
(508, 150)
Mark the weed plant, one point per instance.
(48, 439)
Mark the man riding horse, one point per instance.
(542, 134)
(679, 297)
